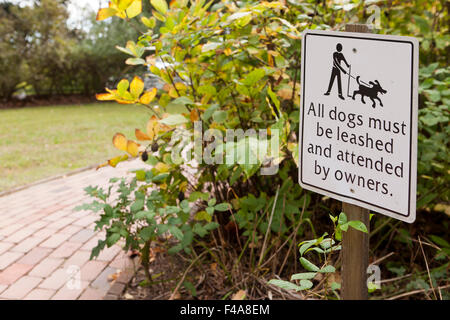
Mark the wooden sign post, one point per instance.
(355, 244)
(358, 132)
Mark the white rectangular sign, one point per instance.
(358, 119)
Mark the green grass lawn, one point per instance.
(40, 142)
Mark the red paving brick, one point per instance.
(78, 259)
(13, 273)
(70, 291)
(3, 287)
(21, 288)
(92, 269)
(34, 256)
(46, 267)
(60, 223)
(83, 236)
(44, 233)
(19, 235)
(10, 229)
(4, 246)
(108, 254)
(40, 294)
(8, 258)
(65, 250)
(92, 294)
(27, 244)
(56, 280)
(70, 229)
(55, 241)
(45, 245)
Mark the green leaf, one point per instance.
(309, 265)
(200, 230)
(122, 87)
(254, 77)
(342, 218)
(212, 202)
(305, 246)
(210, 210)
(222, 206)
(304, 284)
(440, 241)
(194, 196)
(335, 286)
(303, 276)
(137, 206)
(219, 116)
(187, 238)
(96, 250)
(149, 22)
(358, 225)
(173, 120)
(285, 285)
(211, 226)
(140, 175)
(176, 232)
(147, 233)
(175, 249)
(135, 61)
(203, 215)
(160, 5)
(327, 269)
(112, 239)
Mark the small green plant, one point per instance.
(325, 246)
(141, 214)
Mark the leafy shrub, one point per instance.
(237, 65)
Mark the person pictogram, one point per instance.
(338, 57)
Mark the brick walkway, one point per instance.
(45, 245)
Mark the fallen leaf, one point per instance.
(128, 296)
(240, 295)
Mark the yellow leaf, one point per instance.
(134, 9)
(227, 51)
(123, 4)
(160, 5)
(173, 93)
(124, 101)
(136, 87)
(132, 148)
(180, 86)
(102, 165)
(148, 96)
(105, 96)
(120, 142)
(141, 136)
(114, 161)
(270, 60)
(152, 127)
(183, 186)
(105, 13)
